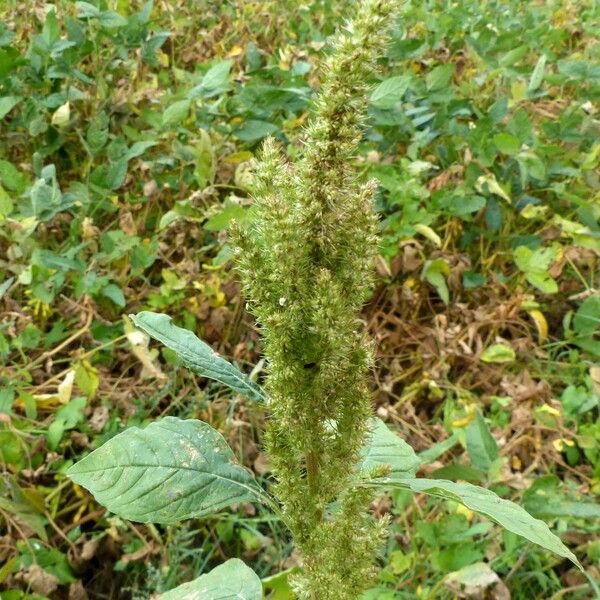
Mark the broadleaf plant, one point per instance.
(305, 257)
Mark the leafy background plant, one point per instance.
(127, 138)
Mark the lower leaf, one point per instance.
(172, 470)
(504, 512)
(232, 580)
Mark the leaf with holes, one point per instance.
(385, 448)
(504, 512)
(172, 470)
(196, 355)
(232, 580)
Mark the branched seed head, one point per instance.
(306, 262)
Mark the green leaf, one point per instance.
(67, 417)
(434, 273)
(139, 148)
(11, 177)
(535, 265)
(196, 355)
(538, 74)
(110, 176)
(114, 293)
(171, 470)
(6, 203)
(587, 317)
(27, 515)
(498, 353)
(481, 446)
(390, 91)
(97, 133)
(277, 587)
(513, 56)
(217, 75)
(7, 103)
(254, 129)
(506, 143)
(175, 113)
(545, 500)
(386, 448)
(232, 580)
(87, 10)
(511, 516)
(231, 211)
(439, 77)
(110, 19)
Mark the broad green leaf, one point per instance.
(390, 91)
(113, 292)
(87, 10)
(7, 103)
(214, 81)
(97, 133)
(217, 75)
(171, 470)
(507, 143)
(6, 204)
(513, 56)
(27, 515)
(176, 113)
(439, 77)
(254, 129)
(587, 317)
(139, 148)
(545, 500)
(498, 353)
(511, 516)
(112, 20)
(277, 587)
(197, 356)
(386, 448)
(535, 265)
(232, 580)
(481, 446)
(231, 211)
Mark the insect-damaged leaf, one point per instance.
(171, 470)
(197, 355)
(504, 512)
(232, 580)
(386, 448)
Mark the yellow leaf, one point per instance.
(491, 183)
(546, 408)
(467, 419)
(429, 233)
(235, 51)
(163, 58)
(463, 510)
(65, 387)
(139, 342)
(559, 444)
(532, 211)
(540, 323)
(61, 115)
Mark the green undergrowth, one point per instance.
(128, 133)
